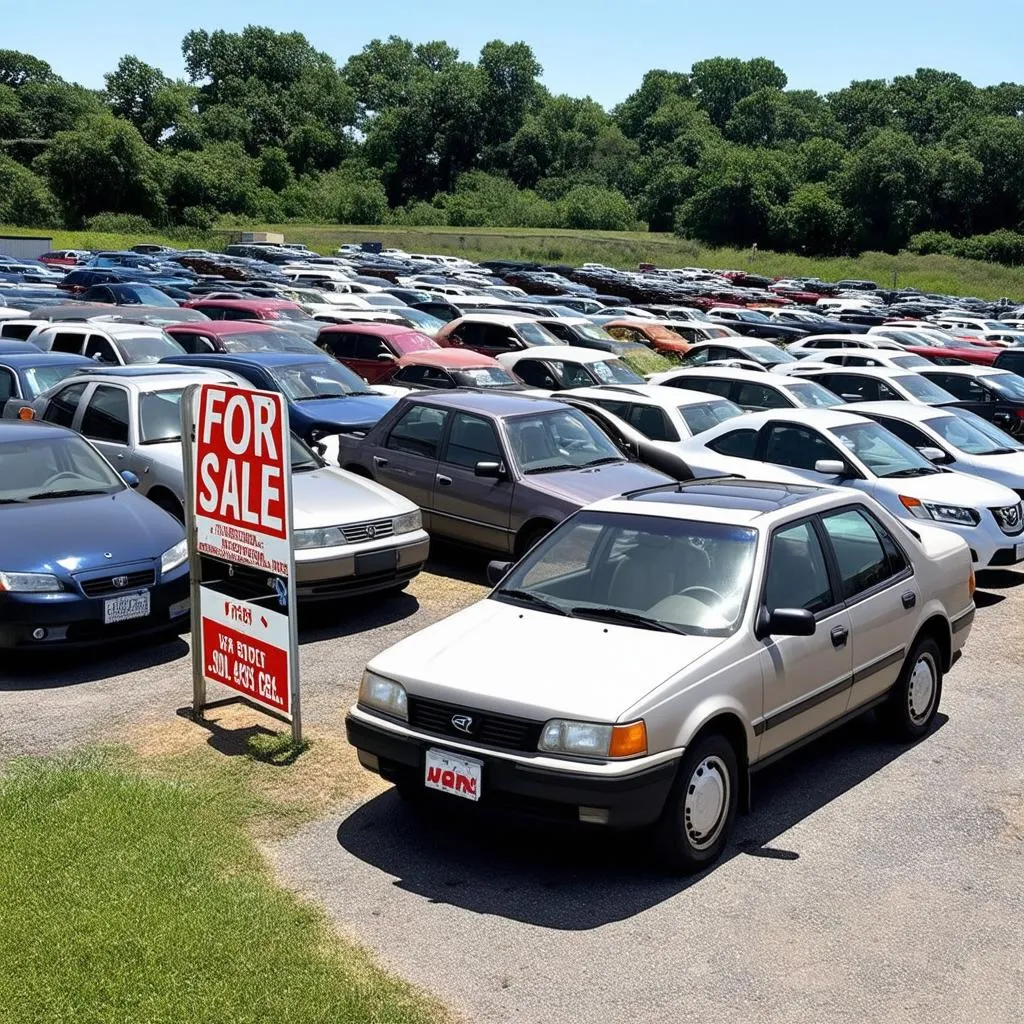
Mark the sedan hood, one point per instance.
(347, 412)
(1005, 469)
(583, 486)
(955, 488)
(513, 660)
(328, 497)
(73, 534)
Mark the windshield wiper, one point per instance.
(11, 501)
(601, 462)
(552, 469)
(917, 471)
(531, 598)
(317, 398)
(621, 615)
(80, 492)
(1000, 451)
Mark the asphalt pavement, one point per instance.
(871, 882)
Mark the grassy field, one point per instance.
(945, 274)
(127, 897)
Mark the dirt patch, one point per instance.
(1011, 810)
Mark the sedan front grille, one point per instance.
(374, 530)
(1010, 518)
(485, 728)
(105, 585)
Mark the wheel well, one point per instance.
(530, 534)
(938, 628)
(358, 471)
(727, 724)
(166, 499)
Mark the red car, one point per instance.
(373, 350)
(448, 368)
(235, 336)
(248, 309)
(64, 257)
(956, 356)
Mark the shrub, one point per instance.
(118, 223)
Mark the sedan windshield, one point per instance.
(143, 295)
(925, 390)
(1009, 385)
(706, 415)
(768, 355)
(910, 362)
(882, 451)
(275, 340)
(53, 467)
(485, 377)
(287, 313)
(814, 396)
(536, 335)
(614, 371)
(327, 379)
(149, 349)
(422, 320)
(644, 571)
(971, 434)
(564, 439)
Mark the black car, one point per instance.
(995, 394)
(753, 324)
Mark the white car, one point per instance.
(768, 355)
(954, 437)
(897, 360)
(561, 367)
(751, 390)
(838, 447)
(663, 415)
(815, 344)
(874, 384)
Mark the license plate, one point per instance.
(376, 561)
(453, 774)
(125, 606)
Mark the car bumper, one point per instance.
(350, 571)
(68, 620)
(629, 795)
(990, 547)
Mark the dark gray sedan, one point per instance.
(493, 470)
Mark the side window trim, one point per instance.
(834, 582)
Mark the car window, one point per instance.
(757, 396)
(695, 357)
(863, 559)
(797, 573)
(813, 396)
(798, 447)
(708, 385)
(415, 376)
(652, 422)
(964, 388)
(61, 408)
(418, 431)
(907, 432)
(67, 341)
(706, 415)
(740, 444)
(97, 347)
(1007, 385)
(856, 360)
(7, 384)
(567, 439)
(369, 347)
(535, 372)
(923, 389)
(851, 387)
(882, 452)
(571, 375)
(471, 440)
(106, 416)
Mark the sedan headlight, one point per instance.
(408, 523)
(319, 537)
(173, 557)
(589, 739)
(29, 583)
(940, 511)
(384, 694)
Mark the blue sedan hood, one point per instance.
(67, 535)
(347, 412)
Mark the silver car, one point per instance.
(351, 536)
(656, 649)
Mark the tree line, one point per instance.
(267, 128)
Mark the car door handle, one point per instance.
(909, 599)
(840, 634)
(443, 481)
(378, 461)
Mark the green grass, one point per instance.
(129, 898)
(945, 274)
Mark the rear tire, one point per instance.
(701, 808)
(914, 701)
(528, 538)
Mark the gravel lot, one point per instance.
(870, 883)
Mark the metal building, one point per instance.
(25, 247)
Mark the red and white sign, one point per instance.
(246, 648)
(241, 471)
(451, 773)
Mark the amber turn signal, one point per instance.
(628, 740)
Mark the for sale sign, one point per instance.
(241, 470)
(238, 478)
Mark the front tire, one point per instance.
(914, 700)
(701, 808)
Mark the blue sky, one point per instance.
(595, 48)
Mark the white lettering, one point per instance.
(208, 487)
(212, 414)
(249, 515)
(237, 443)
(229, 495)
(271, 492)
(266, 416)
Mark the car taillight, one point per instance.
(1020, 414)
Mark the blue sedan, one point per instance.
(83, 559)
(323, 396)
(26, 373)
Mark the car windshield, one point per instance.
(485, 377)
(414, 341)
(275, 340)
(706, 415)
(53, 467)
(149, 348)
(752, 316)
(143, 295)
(768, 355)
(536, 335)
(592, 331)
(1009, 385)
(564, 439)
(37, 379)
(910, 362)
(327, 379)
(971, 434)
(304, 460)
(923, 389)
(287, 313)
(160, 416)
(882, 451)
(813, 396)
(648, 572)
(614, 371)
(423, 320)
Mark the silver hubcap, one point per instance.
(921, 691)
(708, 795)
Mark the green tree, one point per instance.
(18, 69)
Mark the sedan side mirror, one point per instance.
(130, 478)
(830, 467)
(489, 470)
(385, 357)
(497, 571)
(784, 622)
(934, 454)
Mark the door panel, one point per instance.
(407, 461)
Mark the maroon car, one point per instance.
(373, 349)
